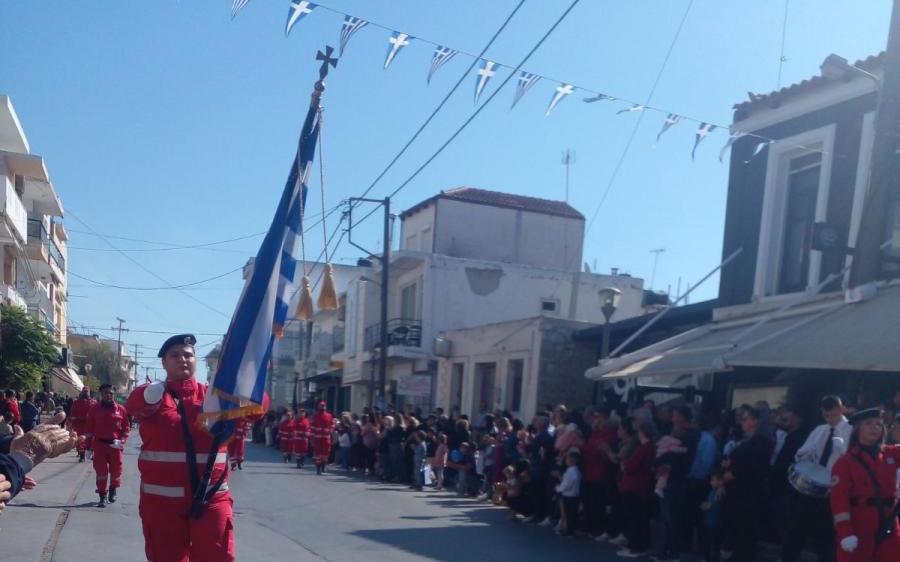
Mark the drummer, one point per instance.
(810, 516)
(863, 496)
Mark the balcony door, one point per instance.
(800, 214)
(408, 302)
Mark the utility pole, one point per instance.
(119, 344)
(884, 187)
(136, 346)
(568, 158)
(385, 259)
(656, 254)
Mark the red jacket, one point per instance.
(286, 435)
(13, 407)
(637, 472)
(106, 423)
(321, 427)
(162, 462)
(852, 503)
(596, 465)
(78, 414)
(301, 434)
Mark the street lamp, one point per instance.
(837, 67)
(609, 302)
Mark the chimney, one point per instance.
(614, 271)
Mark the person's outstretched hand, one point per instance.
(45, 441)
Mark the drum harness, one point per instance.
(885, 523)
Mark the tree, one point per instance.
(105, 367)
(27, 350)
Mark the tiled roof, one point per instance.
(497, 199)
(778, 97)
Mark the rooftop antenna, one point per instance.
(656, 254)
(568, 158)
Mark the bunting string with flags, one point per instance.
(443, 53)
(298, 10)
(734, 136)
(562, 91)
(483, 76)
(442, 56)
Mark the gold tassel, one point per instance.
(328, 299)
(305, 306)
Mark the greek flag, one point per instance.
(598, 97)
(237, 6)
(485, 72)
(671, 120)
(526, 81)
(351, 25)
(562, 91)
(704, 130)
(441, 56)
(397, 41)
(298, 10)
(735, 135)
(636, 108)
(239, 382)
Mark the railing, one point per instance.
(401, 331)
(11, 205)
(37, 231)
(12, 297)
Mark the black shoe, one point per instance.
(102, 502)
(80, 457)
(299, 464)
(318, 469)
(112, 495)
(241, 465)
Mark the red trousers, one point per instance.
(108, 466)
(321, 450)
(236, 449)
(171, 536)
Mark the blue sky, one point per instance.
(169, 122)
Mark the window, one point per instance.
(408, 302)
(483, 402)
(515, 374)
(802, 192)
(549, 305)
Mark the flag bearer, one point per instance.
(864, 494)
(301, 437)
(321, 429)
(286, 436)
(107, 424)
(78, 420)
(174, 454)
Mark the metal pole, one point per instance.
(119, 348)
(604, 353)
(385, 279)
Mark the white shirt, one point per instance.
(570, 484)
(814, 446)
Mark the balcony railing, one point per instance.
(401, 331)
(37, 231)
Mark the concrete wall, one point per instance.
(561, 378)
(417, 231)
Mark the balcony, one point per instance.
(45, 319)
(402, 332)
(15, 227)
(11, 296)
(37, 233)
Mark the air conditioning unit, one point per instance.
(443, 347)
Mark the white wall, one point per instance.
(417, 230)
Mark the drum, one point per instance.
(810, 479)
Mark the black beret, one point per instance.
(866, 414)
(180, 339)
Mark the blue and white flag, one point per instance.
(526, 81)
(299, 9)
(672, 119)
(704, 130)
(350, 26)
(237, 6)
(239, 382)
(636, 108)
(562, 91)
(442, 56)
(735, 135)
(598, 97)
(759, 148)
(397, 41)
(485, 72)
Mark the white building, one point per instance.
(32, 240)
(469, 258)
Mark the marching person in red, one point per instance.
(107, 425)
(321, 428)
(286, 436)
(167, 412)
(301, 437)
(78, 420)
(864, 494)
(236, 445)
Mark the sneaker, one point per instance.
(545, 523)
(628, 553)
(619, 540)
(602, 538)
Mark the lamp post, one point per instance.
(609, 302)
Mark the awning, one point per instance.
(65, 379)
(716, 346)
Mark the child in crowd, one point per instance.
(420, 449)
(508, 488)
(666, 445)
(464, 465)
(712, 518)
(345, 443)
(439, 460)
(569, 490)
(488, 454)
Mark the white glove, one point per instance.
(849, 544)
(117, 444)
(154, 391)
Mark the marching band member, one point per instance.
(321, 428)
(286, 436)
(236, 445)
(78, 420)
(107, 425)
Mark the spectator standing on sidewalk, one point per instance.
(636, 486)
(30, 413)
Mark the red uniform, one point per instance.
(286, 437)
(13, 407)
(301, 436)
(78, 421)
(854, 504)
(321, 427)
(169, 534)
(108, 427)
(236, 445)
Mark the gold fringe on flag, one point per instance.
(328, 299)
(305, 306)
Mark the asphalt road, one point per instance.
(281, 514)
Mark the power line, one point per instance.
(162, 332)
(782, 59)
(166, 288)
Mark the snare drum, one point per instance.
(810, 479)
